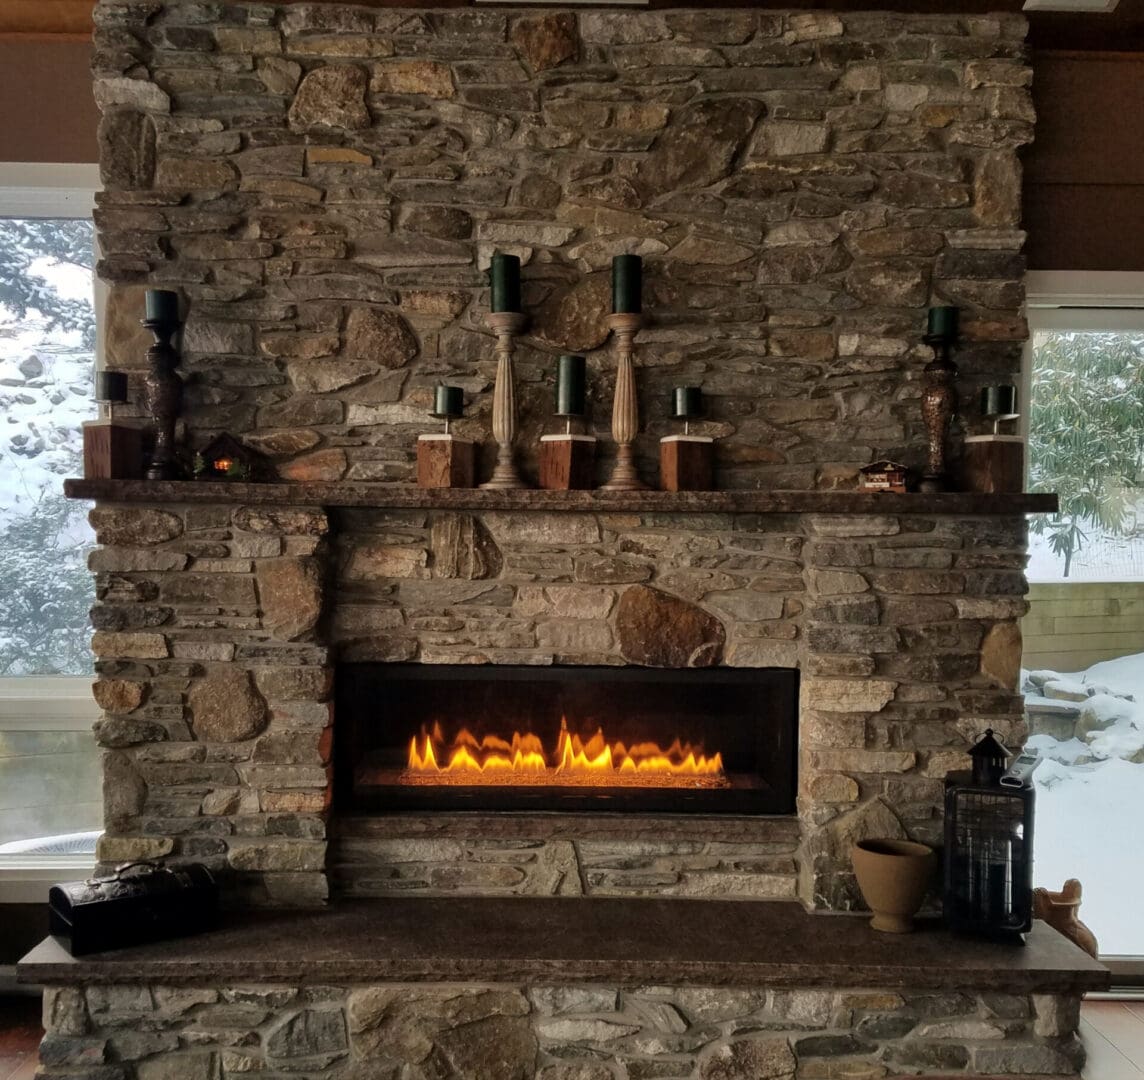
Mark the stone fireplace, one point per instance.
(325, 185)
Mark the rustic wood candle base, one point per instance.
(112, 450)
(567, 462)
(993, 464)
(687, 463)
(444, 461)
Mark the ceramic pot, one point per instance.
(893, 876)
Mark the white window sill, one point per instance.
(27, 879)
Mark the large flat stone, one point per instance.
(632, 942)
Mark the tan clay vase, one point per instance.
(894, 876)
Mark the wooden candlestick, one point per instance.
(625, 406)
(506, 325)
(939, 404)
(163, 398)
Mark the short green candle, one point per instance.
(505, 277)
(999, 401)
(161, 306)
(627, 284)
(687, 403)
(570, 385)
(942, 323)
(449, 403)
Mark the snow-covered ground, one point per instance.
(1101, 558)
(1090, 792)
(46, 383)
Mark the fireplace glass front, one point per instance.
(413, 736)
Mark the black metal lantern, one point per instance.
(989, 758)
(989, 846)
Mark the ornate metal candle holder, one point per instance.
(506, 325)
(162, 397)
(939, 405)
(625, 407)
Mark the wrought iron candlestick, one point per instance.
(625, 407)
(939, 405)
(162, 397)
(506, 325)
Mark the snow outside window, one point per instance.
(50, 802)
(1084, 634)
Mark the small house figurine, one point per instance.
(225, 458)
(884, 476)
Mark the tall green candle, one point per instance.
(627, 284)
(505, 277)
(570, 385)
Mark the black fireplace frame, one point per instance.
(772, 792)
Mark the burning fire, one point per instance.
(524, 759)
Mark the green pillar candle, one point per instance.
(161, 306)
(505, 277)
(449, 403)
(687, 403)
(111, 387)
(999, 401)
(942, 323)
(570, 385)
(627, 284)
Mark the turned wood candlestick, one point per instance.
(939, 404)
(625, 407)
(506, 325)
(162, 397)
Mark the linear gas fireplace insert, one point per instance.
(414, 736)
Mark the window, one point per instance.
(1084, 634)
(50, 804)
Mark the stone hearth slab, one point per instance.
(623, 942)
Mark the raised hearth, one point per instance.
(544, 989)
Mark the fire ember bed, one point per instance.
(591, 738)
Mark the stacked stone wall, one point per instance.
(140, 1031)
(326, 183)
(217, 626)
(215, 687)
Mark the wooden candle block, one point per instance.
(993, 464)
(687, 463)
(112, 450)
(444, 461)
(567, 462)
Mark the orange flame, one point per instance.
(524, 755)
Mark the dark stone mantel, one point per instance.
(623, 941)
(394, 497)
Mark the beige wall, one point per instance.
(1072, 626)
(46, 108)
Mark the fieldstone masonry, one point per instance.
(215, 629)
(140, 1031)
(325, 184)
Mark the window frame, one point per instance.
(55, 702)
(1083, 301)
